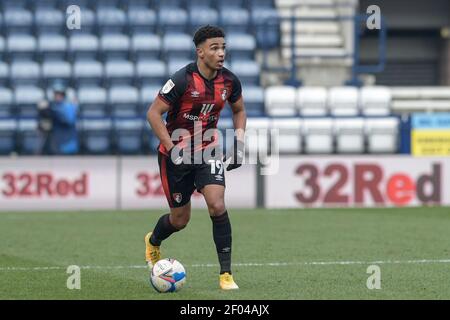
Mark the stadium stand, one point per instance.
(349, 135)
(199, 15)
(26, 98)
(145, 46)
(382, 134)
(56, 69)
(96, 135)
(280, 101)
(343, 101)
(126, 49)
(28, 138)
(290, 137)
(8, 129)
(124, 101)
(127, 133)
(318, 135)
(420, 99)
(6, 103)
(375, 101)
(312, 101)
(52, 47)
(92, 101)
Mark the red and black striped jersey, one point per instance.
(195, 100)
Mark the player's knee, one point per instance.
(180, 222)
(181, 226)
(216, 208)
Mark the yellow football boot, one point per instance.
(227, 282)
(152, 253)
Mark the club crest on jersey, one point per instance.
(177, 197)
(207, 107)
(224, 94)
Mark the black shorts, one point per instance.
(180, 181)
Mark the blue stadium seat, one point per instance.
(254, 4)
(8, 127)
(17, 20)
(127, 132)
(56, 70)
(4, 73)
(2, 46)
(83, 4)
(177, 46)
(124, 101)
(265, 25)
(25, 73)
(93, 101)
(146, 46)
(21, 47)
(151, 72)
(141, 20)
(101, 4)
(248, 71)
(234, 19)
(111, 20)
(199, 16)
(139, 4)
(119, 72)
(172, 20)
(87, 73)
(96, 135)
(52, 46)
(174, 65)
(6, 103)
(114, 46)
(49, 20)
(29, 139)
(230, 4)
(241, 46)
(83, 46)
(151, 141)
(147, 96)
(26, 99)
(45, 4)
(13, 4)
(170, 4)
(254, 100)
(198, 4)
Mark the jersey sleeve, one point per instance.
(174, 88)
(236, 91)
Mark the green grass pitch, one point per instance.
(277, 254)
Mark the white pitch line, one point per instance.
(249, 264)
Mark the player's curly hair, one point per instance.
(207, 32)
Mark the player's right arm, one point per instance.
(168, 98)
(154, 117)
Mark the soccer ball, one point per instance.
(168, 275)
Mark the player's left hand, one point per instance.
(236, 155)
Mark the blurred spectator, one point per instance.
(57, 123)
